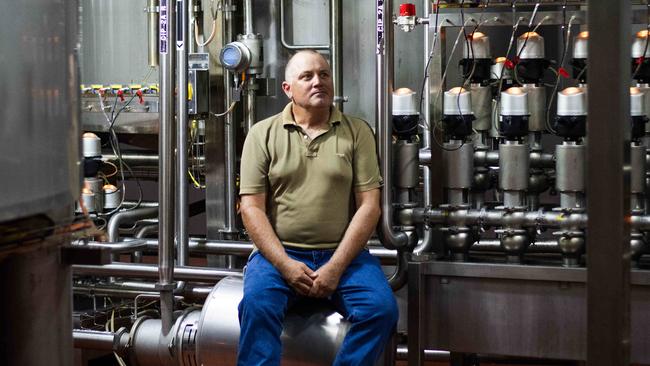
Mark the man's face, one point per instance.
(311, 83)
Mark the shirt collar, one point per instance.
(287, 116)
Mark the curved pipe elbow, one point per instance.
(127, 217)
(389, 238)
(400, 277)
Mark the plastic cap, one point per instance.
(637, 107)
(580, 45)
(514, 102)
(91, 145)
(404, 103)
(457, 101)
(639, 44)
(534, 45)
(477, 46)
(572, 102)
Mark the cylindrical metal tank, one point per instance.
(218, 332)
(114, 43)
(39, 171)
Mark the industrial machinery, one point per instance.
(515, 215)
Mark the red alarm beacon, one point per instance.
(407, 10)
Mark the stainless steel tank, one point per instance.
(218, 332)
(39, 133)
(39, 175)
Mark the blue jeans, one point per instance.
(363, 297)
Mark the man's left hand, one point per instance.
(326, 282)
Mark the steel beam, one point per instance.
(608, 261)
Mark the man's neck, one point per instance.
(310, 117)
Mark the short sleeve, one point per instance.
(365, 162)
(254, 164)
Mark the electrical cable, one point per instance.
(559, 76)
(647, 40)
(232, 106)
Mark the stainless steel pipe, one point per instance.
(229, 130)
(197, 274)
(104, 341)
(181, 196)
(127, 217)
(152, 32)
(203, 246)
(384, 88)
(165, 271)
(336, 51)
(424, 244)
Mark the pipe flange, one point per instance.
(569, 234)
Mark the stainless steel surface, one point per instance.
(390, 238)
(537, 159)
(199, 274)
(128, 123)
(459, 165)
(305, 325)
(481, 106)
(181, 217)
(536, 106)
(608, 286)
(336, 50)
(129, 218)
(570, 168)
(406, 164)
(637, 168)
(513, 167)
(39, 133)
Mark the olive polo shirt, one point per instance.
(309, 183)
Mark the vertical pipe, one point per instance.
(250, 116)
(424, 245)
(152, 32)
(608, 261)
(167, 21)
(190, 41)
(182, 205)
(230, 229)
(248, 17)
(336, 42)
(384, 84)
(249, 109)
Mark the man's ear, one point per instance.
(286, 87)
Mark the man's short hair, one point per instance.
(288, 69)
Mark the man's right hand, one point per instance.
(298, 275)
